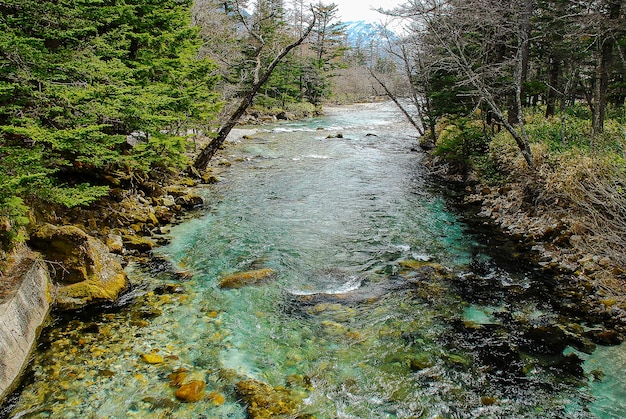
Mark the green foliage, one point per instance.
(73, 195)
(161, 151)
(461, 140)
(77, 78)
(572, 131)
(487, 170)
(13, 217)
(559, 132)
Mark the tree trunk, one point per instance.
(605, 55)
(520, 97)
(395, 100)
(554, 73)
(600, 94)
(207, 153)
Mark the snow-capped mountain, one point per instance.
(362, 33)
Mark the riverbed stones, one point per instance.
(138, 243)
(190, 201)
(152, 358)
(190, 392)
(246, 278)
(263, 401)
(81, 266)
(115, 243)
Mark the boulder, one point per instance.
(152, 358)
(141, 244)
(192, 391)
(81, 266)
(23, 312)
(264, 401)
(242, 279)
(190, 201)
(115, 243)
(164, 214)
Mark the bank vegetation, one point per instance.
(103, 103)
(524, 102)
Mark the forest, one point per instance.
(249, 208)
(100, 95)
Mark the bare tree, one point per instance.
(261, 75)
(482, 42)
(607, 18)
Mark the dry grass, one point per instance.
(588, 191)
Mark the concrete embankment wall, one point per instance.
(22, 315)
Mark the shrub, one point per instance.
(458, 142)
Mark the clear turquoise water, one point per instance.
(345, 325)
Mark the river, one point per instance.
(384, 302)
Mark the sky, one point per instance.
(350, 10)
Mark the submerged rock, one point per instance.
(178, 377)
(80, 265)
(141, 244)
(216, 398)
(242, 279)
(152, 358)
(263, 401)
(192, 391)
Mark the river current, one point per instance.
(383, 302)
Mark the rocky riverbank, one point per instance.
(74, 260)
(555, 237)
(23, 312)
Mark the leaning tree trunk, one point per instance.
(395, 100)
(207, 153)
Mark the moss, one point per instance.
(242, 279)
(263, 401)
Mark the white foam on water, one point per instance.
(353, 283)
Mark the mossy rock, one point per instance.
(263, 401)
(190, 201)
(141, 244)
(242, 279)
(192, 391)
(210, 178)
(81, 266)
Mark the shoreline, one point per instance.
(148, 217)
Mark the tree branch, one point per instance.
(202, 160)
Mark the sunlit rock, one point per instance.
(81, 266)
(23, 312)
(263, 401)
(152, 358)
(216, 398)
(192, 391)
(242, 279)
